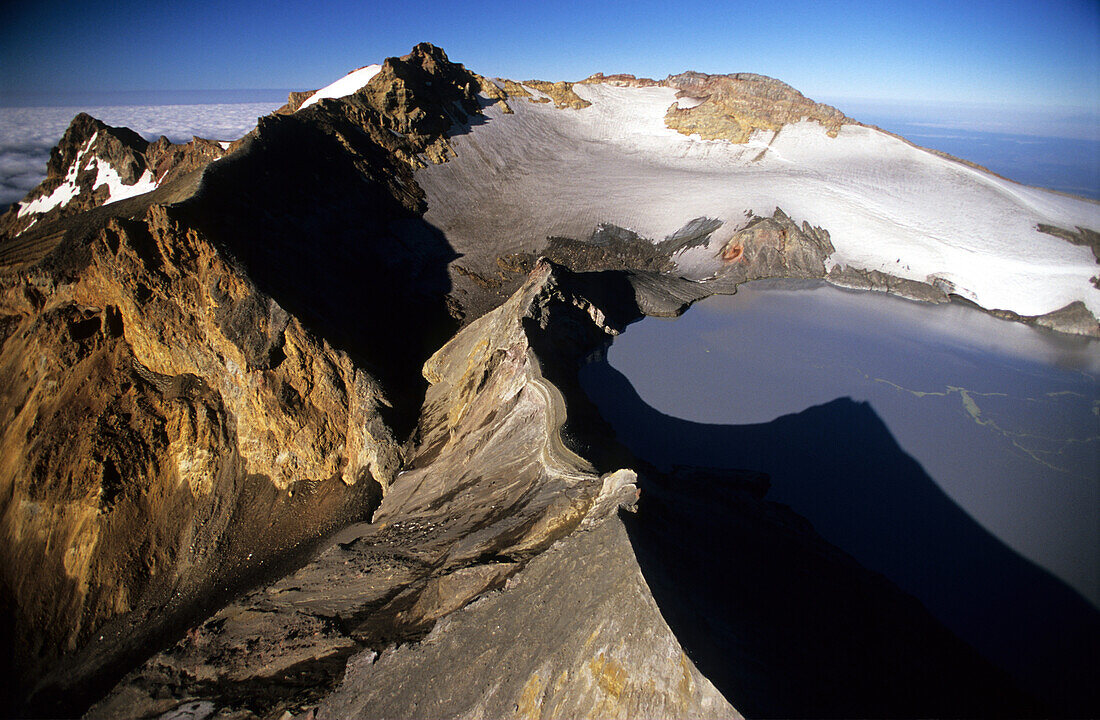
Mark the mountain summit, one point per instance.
(292, 424)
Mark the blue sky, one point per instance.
(1023, 53)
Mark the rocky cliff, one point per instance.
(300, 430)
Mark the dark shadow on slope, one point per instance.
(781, 636)
(327, 223)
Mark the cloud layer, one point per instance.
(28, 134)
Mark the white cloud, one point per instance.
(28, 134)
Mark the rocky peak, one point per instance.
(407, 107)
(294, 101)
(87, 135)
(95, 164)
(423, 94)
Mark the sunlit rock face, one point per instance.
(491, 487)
(167, 428)
(368, 315)
(96, 164)
(733, 107)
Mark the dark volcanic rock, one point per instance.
(1080, 236)
(844, 276)
(776, 247)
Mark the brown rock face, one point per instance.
(621, 80)
(561, 93)
(76, 161)
(294, 101)
(420, 97)
(168, 161)
(734, 106)
(168, 429)
(776, 247)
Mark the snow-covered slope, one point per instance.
(345, 86)
(889, 206)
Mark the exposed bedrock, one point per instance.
(732, 107)
(497, 578)
(95, 164)
(326, 330)
(167, 430)
(491, 485)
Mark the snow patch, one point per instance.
(536, 93)
(686, 103)
(60, 197)
(118, 190)
(350, 83)
(64, 192)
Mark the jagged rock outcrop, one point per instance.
(776, 247)
(415, 100)
(95, 164)
(1079, 236)
(294, 101)
(733, 107)
(168, 429)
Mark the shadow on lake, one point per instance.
(783, 636)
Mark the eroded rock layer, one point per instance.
(168, 429)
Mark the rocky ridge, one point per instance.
(202, 373)
(502, 547)
(733, 107)
(95, 164)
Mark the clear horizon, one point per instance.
(1003, 53)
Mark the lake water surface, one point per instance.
(955, 453)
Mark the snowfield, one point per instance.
(350, 83)
(887, 205)
(107, 175)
